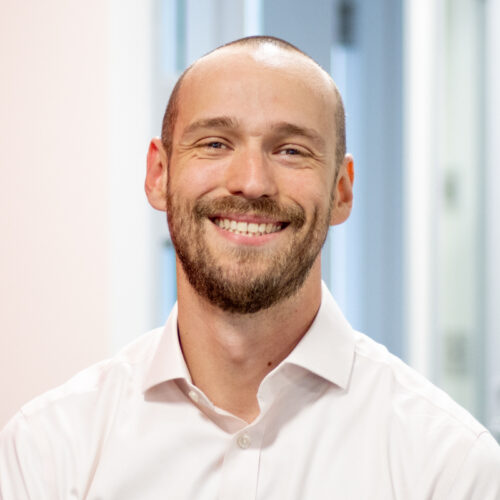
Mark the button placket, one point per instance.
(240, 470)
(194, 396)
(244, 441)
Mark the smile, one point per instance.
(248, 228)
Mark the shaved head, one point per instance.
(254, 137)
(257, 43)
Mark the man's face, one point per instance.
(251, 177)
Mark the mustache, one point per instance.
(293, 215)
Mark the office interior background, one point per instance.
(86, 265)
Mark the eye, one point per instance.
(215, 145)
(212, 145)
(290, 152)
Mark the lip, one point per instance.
(257, 219)
(244, 239)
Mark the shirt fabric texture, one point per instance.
(340, 418)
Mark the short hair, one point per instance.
(172, 110)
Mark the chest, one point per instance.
(289, 455)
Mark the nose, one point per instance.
(250, 174)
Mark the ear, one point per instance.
(342, 203)
(156, 175)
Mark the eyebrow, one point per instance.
(286, 128)
(280, 128)
(224, 122)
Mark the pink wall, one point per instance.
(54, 304)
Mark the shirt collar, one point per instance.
(327, 349)
(168, 361)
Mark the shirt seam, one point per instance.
(475, 432)
(464, 459)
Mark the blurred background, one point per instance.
(86, 265)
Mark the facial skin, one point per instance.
(253, 145)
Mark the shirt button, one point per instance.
(244, 441)
(194, 396)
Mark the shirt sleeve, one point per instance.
(21, 467)
(478, 478)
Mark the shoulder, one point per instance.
(409, 392)
(63, 429)
(479, 472)
(427, 434)
(66, 425)
(122, 372)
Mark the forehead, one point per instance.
(258, 86)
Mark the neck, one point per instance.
(229, 354)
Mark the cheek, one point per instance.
(307, 190)
(192, 182)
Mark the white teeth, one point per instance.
(247, 228)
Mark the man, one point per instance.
(257, 387)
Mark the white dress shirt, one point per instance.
(340, 418)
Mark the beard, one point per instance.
(244, 280)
